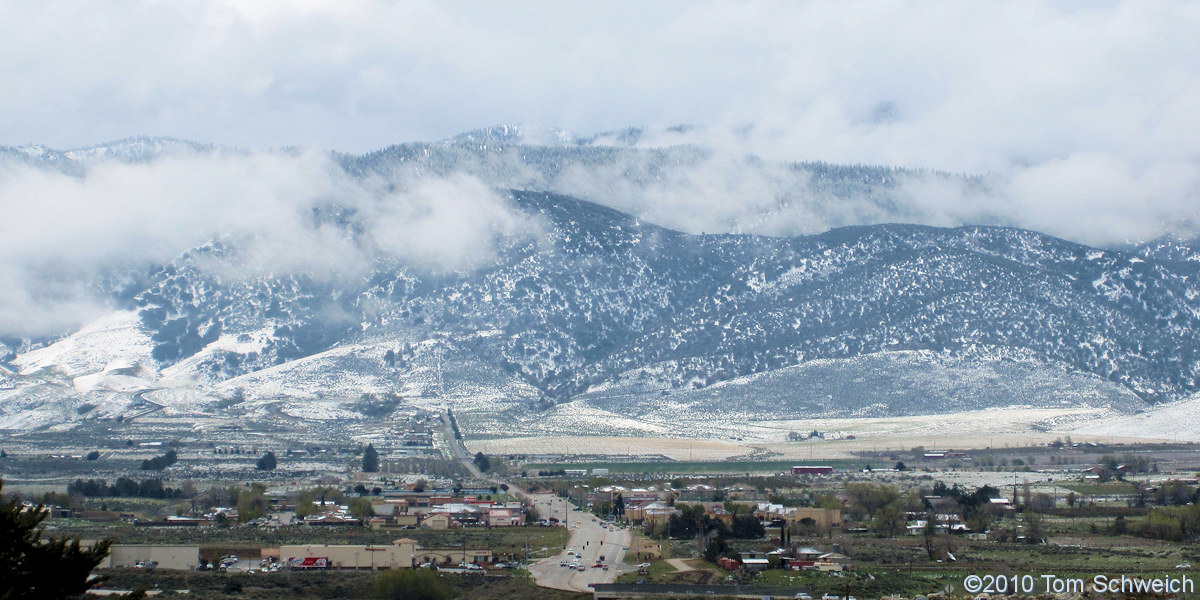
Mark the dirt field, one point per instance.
(843, 437)
(674, 448)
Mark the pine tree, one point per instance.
(482, 462)
(31, 567)
(267, 462)
(370, 460)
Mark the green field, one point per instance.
(1100, 489)
(724, 467)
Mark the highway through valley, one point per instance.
(591, 538)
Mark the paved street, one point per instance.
(590, 537)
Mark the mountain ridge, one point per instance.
(611, 293)
(601, 295)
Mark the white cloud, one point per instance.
(59, 231)
(1081, 115)
(455, 223)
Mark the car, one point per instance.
(1183, 566)
(803, 596)
(644, 566)
(598, 566)
(601, 558)
(428, 565)
(581, 568)
(571, 552)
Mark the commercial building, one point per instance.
(176, 557)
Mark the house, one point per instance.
(833, 561)
(651, 513)
(439, 521)
(823, 518)
(756, 564)
(390, 507)
(720, 514)
(1001, 503)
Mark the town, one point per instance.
(250, 512)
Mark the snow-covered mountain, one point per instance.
(607, 307)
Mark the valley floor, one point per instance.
(845, 438)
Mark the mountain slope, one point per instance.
(593, 300)
(603, 294)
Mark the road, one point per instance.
(460, 451)
(591, 538)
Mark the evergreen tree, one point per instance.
(481, 461)
(410, 584)
(267, 462)
(31, 567)
(370, 459)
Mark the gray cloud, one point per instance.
(1079, 117)
(59, 230)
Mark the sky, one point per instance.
(1086, 113)
(957, 86)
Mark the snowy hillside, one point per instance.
(604, 316)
